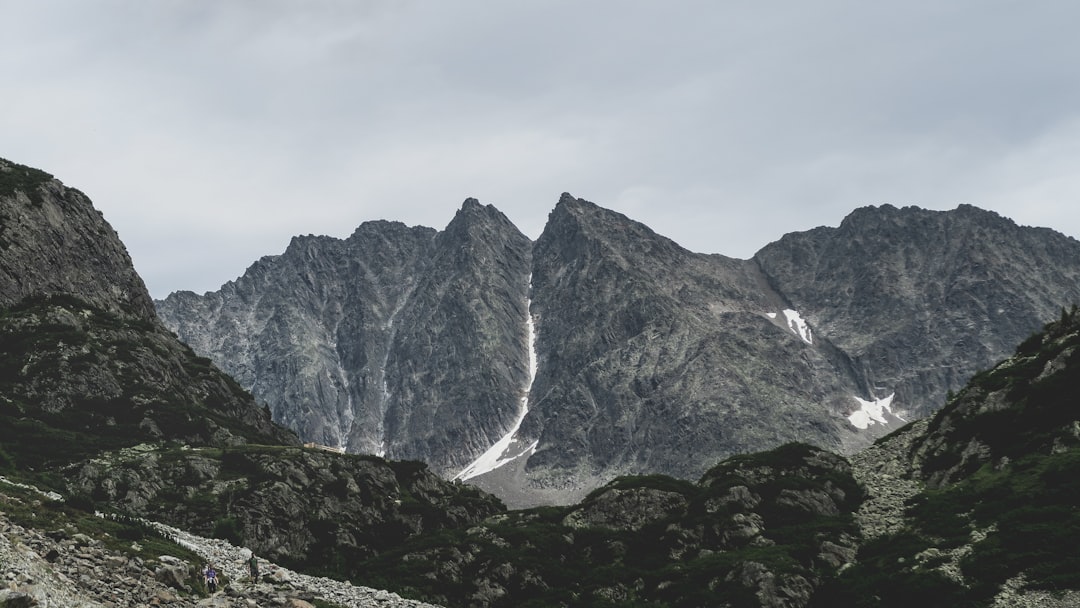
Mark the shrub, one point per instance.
(229, 528)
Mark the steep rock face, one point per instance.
(396, 341)
(920, 299)
(458, 365)
(53, 242)
(307, 331)
(82, 352)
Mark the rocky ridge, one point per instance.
(81, 347)
(757, 530)
(976, 505)
(87, 370)
(649, 358)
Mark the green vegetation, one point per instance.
(1002, 523)
(684, 555)
(27, 508)
(20, 178)
(76, 376)
(1012, 506)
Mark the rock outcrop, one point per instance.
(83, 352)
(976, 505)
(297, 506)
(760, 530)
(53, 242)
(66, 567)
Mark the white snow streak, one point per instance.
(497, 455)
(872, 412)
(796, 324)
(384, 405)
(348, 417)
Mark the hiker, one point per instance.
(253, 563)
(211, 578)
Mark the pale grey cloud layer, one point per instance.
(210, 132)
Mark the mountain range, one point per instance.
(542, 370)
(108, 423)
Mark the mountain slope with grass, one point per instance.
(995, 516)
(102, 405)
(84, 360)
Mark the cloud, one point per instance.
(210, 133)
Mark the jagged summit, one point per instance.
(582, 228)
(413, 343)
(476, 221)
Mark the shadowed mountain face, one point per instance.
(921, 300)
(396, 341)
(84, 361)
(648, 358)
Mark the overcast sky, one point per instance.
(209, 132)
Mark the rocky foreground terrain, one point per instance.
(65, 567)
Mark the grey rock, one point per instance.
(90, 344)
(627, 509)
(16, 599)
(53, 242)
(396, 341)
(650, 358)
(285, 501)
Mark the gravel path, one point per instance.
(231, 561)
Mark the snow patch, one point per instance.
(872, 412)
(796, 324)
(348, 416)
(504, 449)
(384, 404)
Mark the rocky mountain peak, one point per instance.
(645, 357)
(476, 221)
(582, 229)
(375, 227)
(53, 242)
(902, 223)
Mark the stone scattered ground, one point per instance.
(884, 472)
(65, 569)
